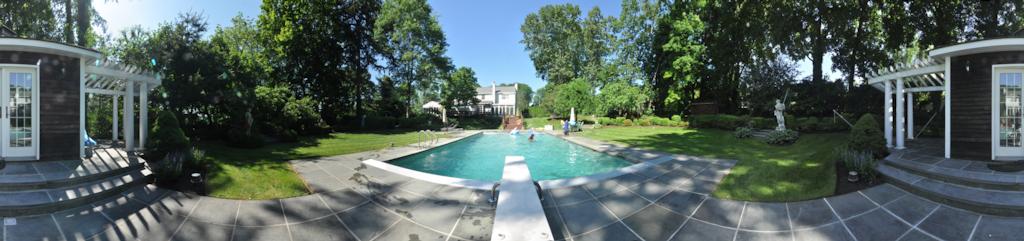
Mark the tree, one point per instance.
(577, 94)
(764, 82)
(564, 46)
(323, 49)
(621, 99)
(29, 18)
(413, 45)
(678, 51)
(856, 29)
(460, 89)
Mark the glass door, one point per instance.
(17, 100)
(1009, 122)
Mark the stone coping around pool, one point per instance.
(430, 177)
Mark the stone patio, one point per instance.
(667, 201)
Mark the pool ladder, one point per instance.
(426, 138)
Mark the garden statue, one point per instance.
(779, 117)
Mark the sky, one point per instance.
(482, 35)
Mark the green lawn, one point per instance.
(264, 173)
(801, 171)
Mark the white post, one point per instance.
(129, 117)
(900, 117)
(143, 115)
(910, 115)
(115, 117)
(948, 109)
(887, 126)
(81, 108)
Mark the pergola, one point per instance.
(108, 78)
(902, 81)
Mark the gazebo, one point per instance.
(44, 85)
(981, 87)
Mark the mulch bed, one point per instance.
(843, 186)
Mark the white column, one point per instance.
(115, 117)
(900, 118)
(143, 115)
(910, 115)
(945, 97)
(887, 126)
(129, 117)
(81, 110)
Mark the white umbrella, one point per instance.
(572, 115)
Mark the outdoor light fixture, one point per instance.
(853, 177)
(3, 163)
(967, 66)
(197, 180)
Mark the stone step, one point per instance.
(985, 180)
(988, 201)
(53, 174)
(38, 201)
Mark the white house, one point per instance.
(499, 100)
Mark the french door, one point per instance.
(1008, 83)
(19, 95)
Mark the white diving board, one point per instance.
(519, 215)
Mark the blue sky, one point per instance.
(483, 35)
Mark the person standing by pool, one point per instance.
(565, 128)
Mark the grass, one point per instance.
(264, 173)
(801, 171)
(539, 122)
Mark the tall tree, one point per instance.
(29, 18)
(84, 16)
(678, 56)
(413, 45)
(550, 35)
(857, 34)
(460, 89)
(995, 18)
(323, 49)
(800, 29)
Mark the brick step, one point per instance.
(985, 180)
(53, 174)
(988, 201)
(39, 201)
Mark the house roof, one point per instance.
(48, 47)
(501, 89)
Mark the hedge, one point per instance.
(802, 124)
(642, 121)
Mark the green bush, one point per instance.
(176, 163)
(833, 124)
(677, 118)
(627, 122)
(783, 137)
(763, 123)
(806, 124)
(866, 136)
(743, 132)
(537, 111)
(863, 162)
(165, 136)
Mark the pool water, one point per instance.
(482, 157)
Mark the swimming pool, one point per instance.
(482, 157)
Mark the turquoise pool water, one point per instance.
(482, 157)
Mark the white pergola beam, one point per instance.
(925, 89)
(120, 74)
(910, 115)
(115, 117)
(129, 118)
(946, 97)
(900, 117)
(937, 68)
(888, 113)
(143, 116)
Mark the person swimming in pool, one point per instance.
(531, 135)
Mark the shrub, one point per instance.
(807, 124)
(866, 136)
(743, 132)
(762, 123)
(166, 135)
(176, 163)
(863, 162)
(783, 137)
(627, 122)
(677, 118)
